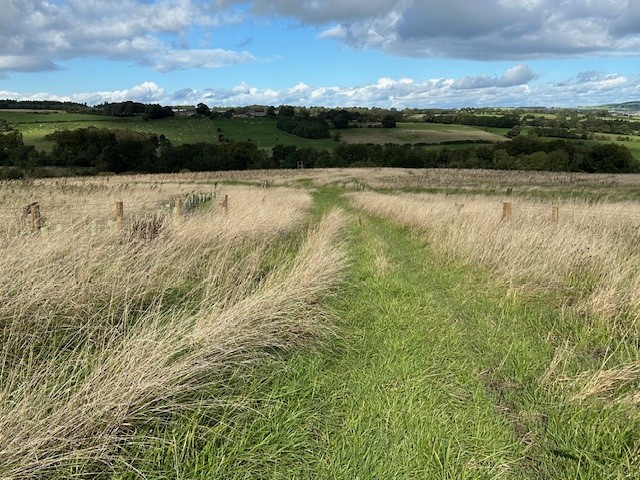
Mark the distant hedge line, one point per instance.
(305, 127)
(93, 150)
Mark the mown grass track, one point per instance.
(436, 373)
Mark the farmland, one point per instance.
(343, 323)
(35, 126)
(413, 133)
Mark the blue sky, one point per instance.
(371, 53)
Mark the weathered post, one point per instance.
(225, 203)
(506, 210)
(178, 210)
(119, 213)
(34, 211)
(555, 213)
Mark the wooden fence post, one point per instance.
(506, 210)
(225, 203)
(34, 211)
(119, 213)
(178, 211)
(555, 213)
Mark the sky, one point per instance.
(334, 53)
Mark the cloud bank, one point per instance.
(478, 29)
(37, 34)
(510, 89)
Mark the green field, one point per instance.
(35, 126)
(413, 133)
(262, 131)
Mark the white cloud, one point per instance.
(509, 89)
(478, 29)
(18, 63)
(319, 12)
(157, 32)
(184, 59)
(134, 30)
(146, 92)
(518, 75)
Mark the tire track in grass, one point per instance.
(433, 376)
(446, 378)
(408, 400)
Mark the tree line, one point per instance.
(94, 150)
(150, 111)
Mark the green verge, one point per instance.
(434, 374)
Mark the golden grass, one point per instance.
(595, 187)
(101, 334)
(590, 255)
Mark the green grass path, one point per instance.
(431, 376)
(409, 399)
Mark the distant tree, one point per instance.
(271, 111)
(389, 121)
(11, 139)
(283, 156)
(286, 111)
(611, 158)
(514, 132)
(341, 119)
(155, 111)
(309, 127)
(203, 110)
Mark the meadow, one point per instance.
(262, 131)
(344, 323)
(413, 133)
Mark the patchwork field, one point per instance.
(35, 126)
(262, 131)
(336, 324)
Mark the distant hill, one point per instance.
(625, 107)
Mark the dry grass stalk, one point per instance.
(589, 254)
(605, 383)
(95, 341)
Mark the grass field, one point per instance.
(262, 131)
(418, 133)
(35, 127)
(336, 325)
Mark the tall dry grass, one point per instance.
(490, 182)
(101, 333)
(588, 260)
(589, 255)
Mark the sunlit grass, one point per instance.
(105, 331)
